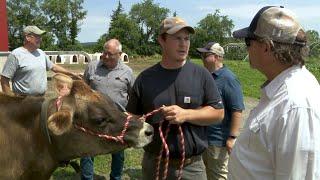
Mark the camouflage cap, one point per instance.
(277, 23)
(212, 47)
(33, 30)
(171, 25)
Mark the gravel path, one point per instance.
(249, 104)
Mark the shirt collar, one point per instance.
(219, 71)
(271, 88)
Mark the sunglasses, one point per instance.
(205, 55)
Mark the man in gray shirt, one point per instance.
(112, 78)
(26, 66)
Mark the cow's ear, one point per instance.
(60, 122)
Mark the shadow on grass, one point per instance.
(63, 174)
(132, 174)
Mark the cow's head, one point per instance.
(84, 115)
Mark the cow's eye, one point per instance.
(100, 121)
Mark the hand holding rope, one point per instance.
(165, 145)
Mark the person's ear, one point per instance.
(267, 47)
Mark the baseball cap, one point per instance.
(212, 47)
(33, 30)
(171, 25)
(277, 23)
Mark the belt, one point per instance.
(187, 161)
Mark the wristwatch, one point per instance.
(233, 136)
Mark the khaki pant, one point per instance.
(192, 171)
(216, 161)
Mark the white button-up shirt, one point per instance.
(281, 137)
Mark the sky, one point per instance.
(241, 12)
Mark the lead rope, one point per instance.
(166, 148)
(59, 103)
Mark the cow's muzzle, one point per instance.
(145, 135)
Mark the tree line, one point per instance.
(137, 30)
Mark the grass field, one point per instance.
(250, 79)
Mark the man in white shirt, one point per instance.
(281, 138)
(27, 66)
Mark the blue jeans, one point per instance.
(86, 165)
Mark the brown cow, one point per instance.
(32, 149)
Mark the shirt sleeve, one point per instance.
(10, 67)
(232, 95)
(134, 104)
(211, 94)
(131, 78)
(49, 64)
(297, 147)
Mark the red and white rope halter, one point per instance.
(166, 148)
(119, 138)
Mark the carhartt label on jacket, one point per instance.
(187, 100)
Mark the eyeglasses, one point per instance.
(112, 55)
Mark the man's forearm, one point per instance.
(236, 122)
(204, 116)
(60, 69)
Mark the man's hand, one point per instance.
(229, 144)
(5, 85)
(77, 76)
(174, 114)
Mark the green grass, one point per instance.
(250, 79)
(102, 166)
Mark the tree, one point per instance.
(125, 30)
(148, 16)
(22, 14)
(214, 27)
(175, 14)
(64, 19)
(117, 12)
(314, 42)
(76, 15)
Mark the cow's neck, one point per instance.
(27, 145)
(49, 162)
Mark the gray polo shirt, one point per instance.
(27, 71)
(114, 83)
